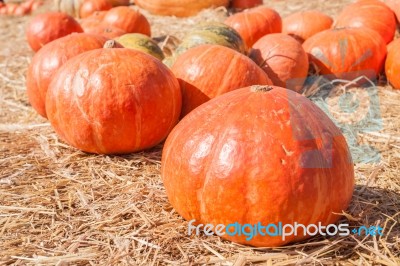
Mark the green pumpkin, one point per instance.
(212, 33)
(141, 43)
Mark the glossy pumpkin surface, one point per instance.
(49, 59)
(127, 19)
(207, 71)
(48, 27)
(258, 154)
(113, 101)
(254, 23)
(372, 14)
(304, 24)
(347, 53)
(283, 59)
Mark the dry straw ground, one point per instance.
(59, 206)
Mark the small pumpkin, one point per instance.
(50, 58)
(304, 24)
(88, 7)
(113, 101)
(207, 71)
(372, 14)
(142, 43)
(21, 10)
(254, 23)
(179, 8)
(127, 19)
(283, 59)
(48, 27)
(392, 65)
(260, 154)
(244, 4)
(212, 33)
(347, 53)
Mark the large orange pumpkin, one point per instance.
(244, 4)
(113, 101)
(127, 19)
(304, 24)
(48, 27)
(92, 21)
(259, 154)
(392, 65)
(88, 7)
(347, 53)
(178, 8)
(254, 23)
(207, 71)
(283, 59)
(372, 14)
(50, 58)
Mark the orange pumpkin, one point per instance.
(304, 24)
(21, 10)
(244, 4)
(252, 24)
(372, 14)
(93, 20)
(347, 53)
(50, 58)
(88, 7)
(106, 31)
(283, 59)
(392, 65)
(207, 71)
(178, 8)
(48, 27)
(127, 19)
(113, 101)
(260, 154)
(119, 2)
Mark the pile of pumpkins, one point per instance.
(19, 9)
(241, 144)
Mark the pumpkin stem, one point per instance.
(261, 88)
(110, 44)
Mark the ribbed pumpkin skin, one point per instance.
(48, 27)
(372, 14)
(212, 33)
(236, 159)
(49, 59)
(207, 71)
(141, 43)
(254, 23)
(178, 8)
(283, 59)
(304, 24)
(347, 53)
(392, 65)
(113, 101)
(244, 4)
